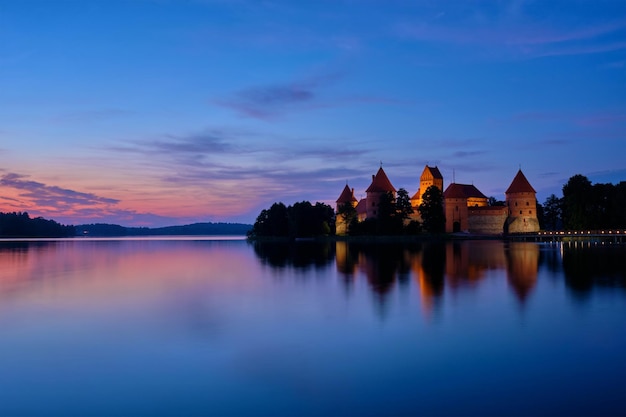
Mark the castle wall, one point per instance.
(487, 220)
(522, 225)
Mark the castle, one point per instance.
(466, 208)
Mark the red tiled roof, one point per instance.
(462, 191)
(380, 183)
(520, 185)
(347, 196)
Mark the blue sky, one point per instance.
(160, 112)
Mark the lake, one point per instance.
(220, 326)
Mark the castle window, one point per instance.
(456, 208)
(516, 204)
(530, 212)
(520, 212)
(527, 203)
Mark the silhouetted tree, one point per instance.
(552, 212)
(21, 225)
(271, 222)
(617, 204)
(325, 219)
(388, 220)
(576, 203)
(300, 220)
(404, 209)
(431, 210)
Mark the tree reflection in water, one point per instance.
(436, 267)
(301, 254)
(588, 265)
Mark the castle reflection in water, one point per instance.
(436, 268)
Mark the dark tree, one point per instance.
(325, 219)
(388, 222)
(552, 213)
(403, 205)
(300, 220)
(21, 225)
(272, 222)
(492, 201)
(617, 211)
(577, 207)
(431, 210)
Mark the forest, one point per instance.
(22, 225)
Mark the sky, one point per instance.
(166, 112)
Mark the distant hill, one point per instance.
(196, 229)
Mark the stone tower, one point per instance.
(379, 186)
(522, 205)
(347, 196)
(430, 176)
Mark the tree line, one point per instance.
(22, 225)
(584, 205)
(303, 219)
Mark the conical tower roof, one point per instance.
(347, 196)
(520, 185)
(380, 183)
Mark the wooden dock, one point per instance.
(613, 235)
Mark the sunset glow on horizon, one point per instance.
(157, 113)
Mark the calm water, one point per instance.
(223, 327)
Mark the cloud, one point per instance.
(231, 172)
(73, 207)
(519, 32)
(49, 195)
(602, 119)
(271, 102)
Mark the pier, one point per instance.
(612, 235)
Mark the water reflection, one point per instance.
(300, 255)
(587, 265)
(192, 328)
(437, 267)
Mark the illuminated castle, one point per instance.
(466, 208)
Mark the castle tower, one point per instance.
(379, 186)
(346, 197)
(522, 204)
(430, 176)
